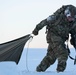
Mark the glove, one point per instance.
(35, 32)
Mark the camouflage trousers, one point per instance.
(56, 50)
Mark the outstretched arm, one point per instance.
(45, 22)
(39, 26)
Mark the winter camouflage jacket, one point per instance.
(59, 24)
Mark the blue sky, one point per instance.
(19, 17)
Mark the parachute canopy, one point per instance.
(12, 50)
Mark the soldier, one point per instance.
(58, 27)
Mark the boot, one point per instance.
(61, 67)
(41, 67)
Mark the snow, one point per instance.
(30, 59)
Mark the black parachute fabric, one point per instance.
(12, 50)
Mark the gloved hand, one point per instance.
(35, 32)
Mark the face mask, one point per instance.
(68, 15)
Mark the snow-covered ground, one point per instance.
(28, 62)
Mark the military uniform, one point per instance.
(58, 27)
